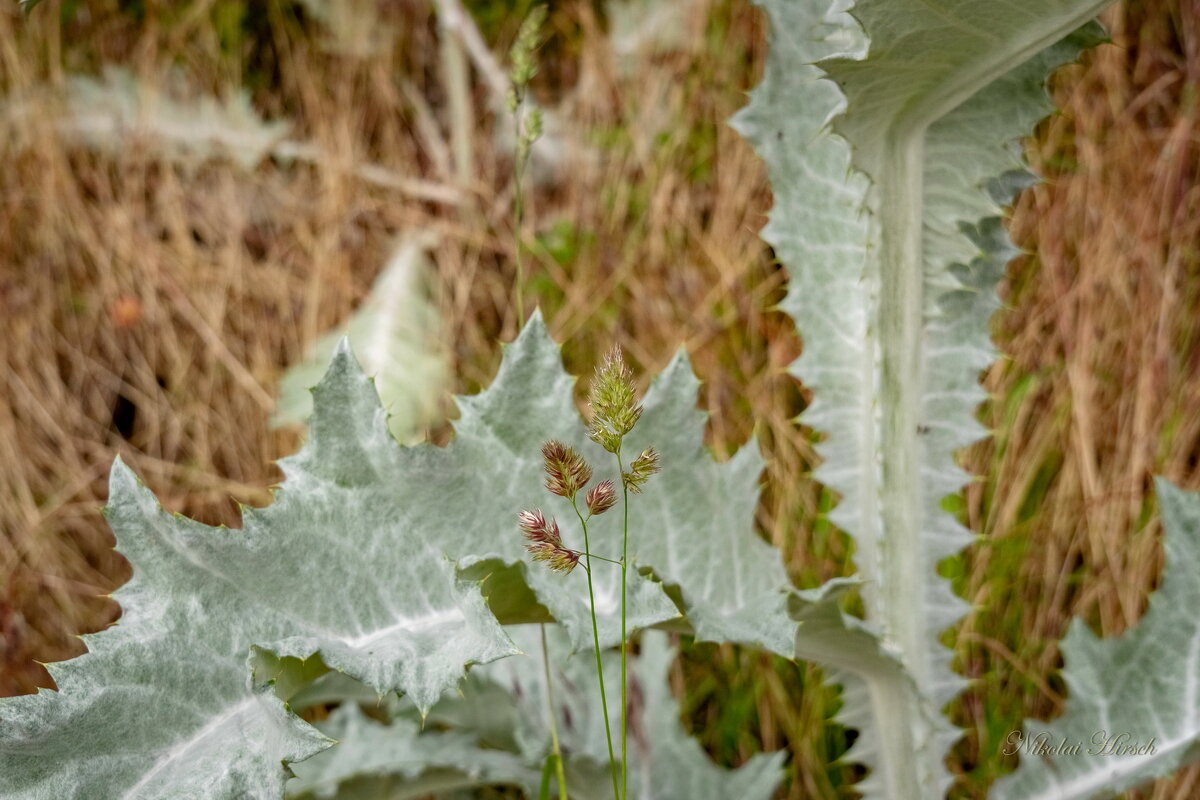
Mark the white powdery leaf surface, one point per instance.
(466, 496)
(358, 560)
(1144, 684)
(693, 524)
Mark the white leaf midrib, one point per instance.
(900, 262)
(181, 748)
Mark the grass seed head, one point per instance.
(602, 497)
(566, 471)
(559, 559)
(529, 37)
(614, 406)
(640, 470)
(545, 541)
(533, 524)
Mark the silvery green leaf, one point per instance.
(871, 675)
(469, 493)
(665, 763)
(356, 560)
(576, 698)
(355, 28)
(163, 706)
(638, 29)
(400, 761)
(885, 127)
(693, 525)
(733, 584)
(1133, 706)
(397, 336)
(106, 111)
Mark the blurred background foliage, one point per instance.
(194, 193)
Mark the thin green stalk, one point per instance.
(525, 130)
(518, 213)
(602, 558)
(560, 774)
(624, 636)
(587, 566)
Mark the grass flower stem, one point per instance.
(555, 748)
(624, 635)
(602, 558)
(587, 566)
(518, 213)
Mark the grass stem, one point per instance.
(624, 635)
(602, 558)
(587, 566)
(518, 213)
(560, 774)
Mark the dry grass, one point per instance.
(149, 310)
(1102, 386)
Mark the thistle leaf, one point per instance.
(692, 525)
(164, 704)
(386, 529)
(664, 761)
(1144, 684)
(733, 584)
(397, 335)
(378, 526)
(399, 761)
(884, 128)
(105, 112)
(473, 489)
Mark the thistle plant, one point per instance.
(888, 136)
(614, 412)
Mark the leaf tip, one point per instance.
(122, 482)
(342, 350)
(534, 333)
